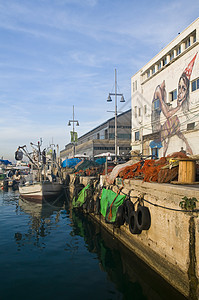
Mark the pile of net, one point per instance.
(88, 168)
(162, 170)
(117, 169)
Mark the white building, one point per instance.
(165, 98)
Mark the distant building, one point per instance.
(165, 98)
(102, 138)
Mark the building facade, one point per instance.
(102, 138)
(165, 98)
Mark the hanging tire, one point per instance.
(119, 220)
(133, 223)
(143, 218)
(128, 208)
(90, 208)
(97, 206)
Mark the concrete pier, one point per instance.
(171, 245)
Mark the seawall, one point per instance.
(171, 245)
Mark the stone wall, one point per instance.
(171, 245)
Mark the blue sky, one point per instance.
(58, 53)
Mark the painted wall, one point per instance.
(154, 110)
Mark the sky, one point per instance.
(58, 53)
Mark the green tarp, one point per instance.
(107, 198)
(81, 197)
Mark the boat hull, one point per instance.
(39, 192)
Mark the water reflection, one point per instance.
(131, 276)
(42, 218)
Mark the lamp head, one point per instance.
(122, 99)
(109, 98)
(69, 123)
(77, 123)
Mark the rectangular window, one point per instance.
(178, 50)
(153, 70)
(190, 126)
(195, 85)
(173, 95)
(148, 74)
(133, 86)
(172, 55)
(145, 109)
(139, 112)
(136, 85)
(164, 61)
(137, 136)
(159, 65)
(187, 43)
(135, 111)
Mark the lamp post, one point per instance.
(109, 100)
(73, 136)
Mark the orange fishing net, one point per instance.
(151, 170)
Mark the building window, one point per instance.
(194, 38)
(106, 134)
(145, 109)
(137, 136)
(153, 70)
(156, 104)
(173, 95)
(159, 65)
(136, 85)
(148, 74)
(98, 136)
(135, 108)
(195, 85)
(172, 55)
(139, 111)
(187, 43)
(164, 61)
(190, 126)
(178, 50)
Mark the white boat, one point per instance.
(40, 191)
(44, 181)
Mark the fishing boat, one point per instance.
(40, 191)
(44, 182)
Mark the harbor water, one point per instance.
(48, 251)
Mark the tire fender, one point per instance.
(143, 218)
(120, 216)
(128, 208)
(133, 223)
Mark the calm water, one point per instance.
(50, 252)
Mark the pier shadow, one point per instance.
(132, 277)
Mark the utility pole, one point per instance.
(73, 135)
(109, 100)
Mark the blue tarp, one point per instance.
(101, 160)
(5, 162)
(70, 162)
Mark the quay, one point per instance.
(171, 245)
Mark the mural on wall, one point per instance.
(171, 126)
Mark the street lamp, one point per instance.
(109, 100)
(73, 136)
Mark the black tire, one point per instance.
(97, 206)
(143, 218)
(128, 208)
(119, 221)
(133, 223)
(91, 206)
